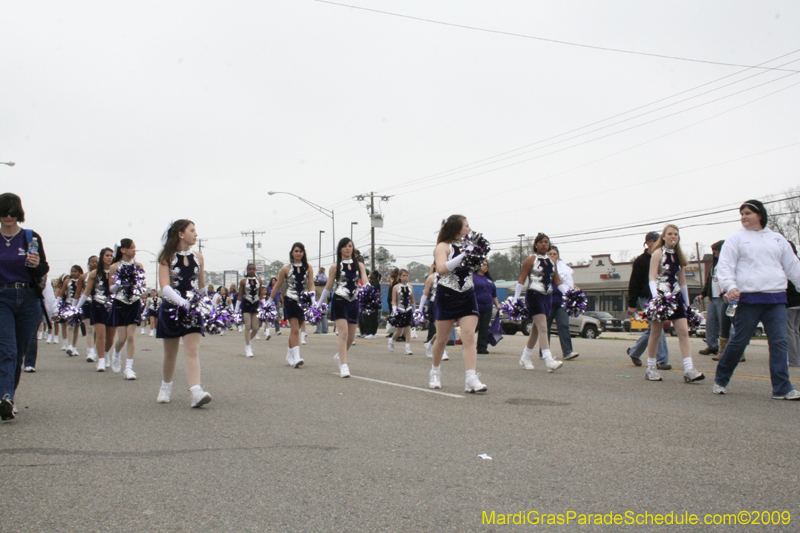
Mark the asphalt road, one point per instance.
(281, 449)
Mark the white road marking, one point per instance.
(404, 386)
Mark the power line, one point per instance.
(544, 39)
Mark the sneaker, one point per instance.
(708, 351)
(435, 379)
(39, 336)
(29, 369)
(7, 409)
(408, 351)
(69, 351)
(553, 365)
(428, 350)
(116, 364)
(792, 395)
(693, 375)
(64, 346)
(143, 331)
(290, 357)
(473, 384)
(248, 352)
(445, 357)
(277, 333)
(526, 362)
(164, 393)
(303, 338)
(635, 360)
(107, 360)
(258, 336)
(337, 361)
(152, 333)
(664, 366)
(391, 345)
(101, 365)
(268, 337)
(129, 374)
(570, 356)
(652, 374)
(719, 389)
(75, 352)
(200, 398)
(371, 337)
(91, 356)
(344, 371)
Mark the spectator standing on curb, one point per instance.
(638, 296)
(718, 324)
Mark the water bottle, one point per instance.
(731, 310)
(33, 246)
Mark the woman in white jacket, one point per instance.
(753, 269)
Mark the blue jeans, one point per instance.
(20, 315)
(559, 314)
(662, 354)
(716, 310)
(773, 316)
(322, 326)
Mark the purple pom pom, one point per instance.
(200, 307)
(515, 309)
(267, 312)
(476, 250)
(693, 317)
(369, 299)
(420, 317)
(575, 302)
(662, 307)
(131, 279)
(236, 318)
(401, 319)
(218, 321)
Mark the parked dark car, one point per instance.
(607, 319)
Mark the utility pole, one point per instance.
(700, 268)
(521, 235)
(200, 245)
(252, 244)
(376, 221)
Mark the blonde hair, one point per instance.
(660, 242)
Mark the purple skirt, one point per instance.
(452, 305)
(99, 315)
(344, 309)
(537, 303)
(292, 309)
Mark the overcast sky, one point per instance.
(121, 116)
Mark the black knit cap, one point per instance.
(652, 236)
(759, 208)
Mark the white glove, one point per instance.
(455, 262)
(422, 301)
(653, 289)
(81, 301)
(563, 288)
(202, 291)
(173, 296)
(238, 305)
(394, 309)
(518, 290)
(114, 288)
(323, 298)
(685, 293)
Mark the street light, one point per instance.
(319, 267)
(351, 229)
(324, 211)
(9, 163)
(521, 235)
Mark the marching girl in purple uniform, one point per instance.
(100, 310)
(667, 275)
(299, 276)
(429, 295)
(67, 294)
(180, 270)
(455, 300)
(343, 280)
(542, 276)
(125, 310)
(91, 354)
(222, 301)
(248, 304)
(403, 309)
